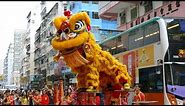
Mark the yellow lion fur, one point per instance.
(99, 68)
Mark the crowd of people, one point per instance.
(46, 97)
(26, 97)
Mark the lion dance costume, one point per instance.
(94, 67)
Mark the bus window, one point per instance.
(122, 43)
(151, 33)
(136, 38)
(175, 76)
(176, 37)
(110, 46)
(151, 79)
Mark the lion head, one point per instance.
(72, 33)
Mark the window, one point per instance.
(95, 15)
(72, 6)
(175, 76)
(122, 43)
(148, 6)
(151, 36)
(85, 1)
(110, 46)
(134, 13)
(151, 79)
(165, 2)
(86, 12)
(94, 2)
(135, 38)
(123, 18)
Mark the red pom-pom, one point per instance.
(67, 13)
(88, 27)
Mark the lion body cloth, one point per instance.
(95, 68)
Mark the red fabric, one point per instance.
(11, 99)
(84, 102)
(97, 100)
(45, 99)
(124, 98)
(38, 98)
(116, 94)
(139, 97)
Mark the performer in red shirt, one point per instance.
(45, 98)
(139, 96)
(37, 98)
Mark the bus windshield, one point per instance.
(175, 79)
(176, 37)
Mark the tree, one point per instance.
(1, 77)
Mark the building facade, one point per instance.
(8, 66)
(18, 49)
(33, 21)
(99, 27)
(43, 58)
(131, 13)
(5, 70)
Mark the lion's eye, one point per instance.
(79, 25)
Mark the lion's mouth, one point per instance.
(71, 50)
(75, 57)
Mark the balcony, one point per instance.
(171, 9)
(109, 10)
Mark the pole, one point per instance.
(61, 92)
(56, 93)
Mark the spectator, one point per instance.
(45, 98)
(12, 98)
(139, 96)
(4, 101)
(37, 98)
(24, 99)
(8, 100)
(1, 97)
(16, 99)
(50, 94)
(30, 97)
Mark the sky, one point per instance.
(12, 16)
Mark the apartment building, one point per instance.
(43, 59)
(18, 49)
(33, 21)
(131, 13)
(8, 65)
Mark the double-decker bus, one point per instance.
(154, 53)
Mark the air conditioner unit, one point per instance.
(143, 3)
(122, 14)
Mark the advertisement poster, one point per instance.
(129, 61)
(145, 56)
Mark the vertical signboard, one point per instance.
(129, 61)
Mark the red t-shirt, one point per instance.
(97, 100)
(11, 99)
(38, 99)
(139, 97)
(45, 99)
